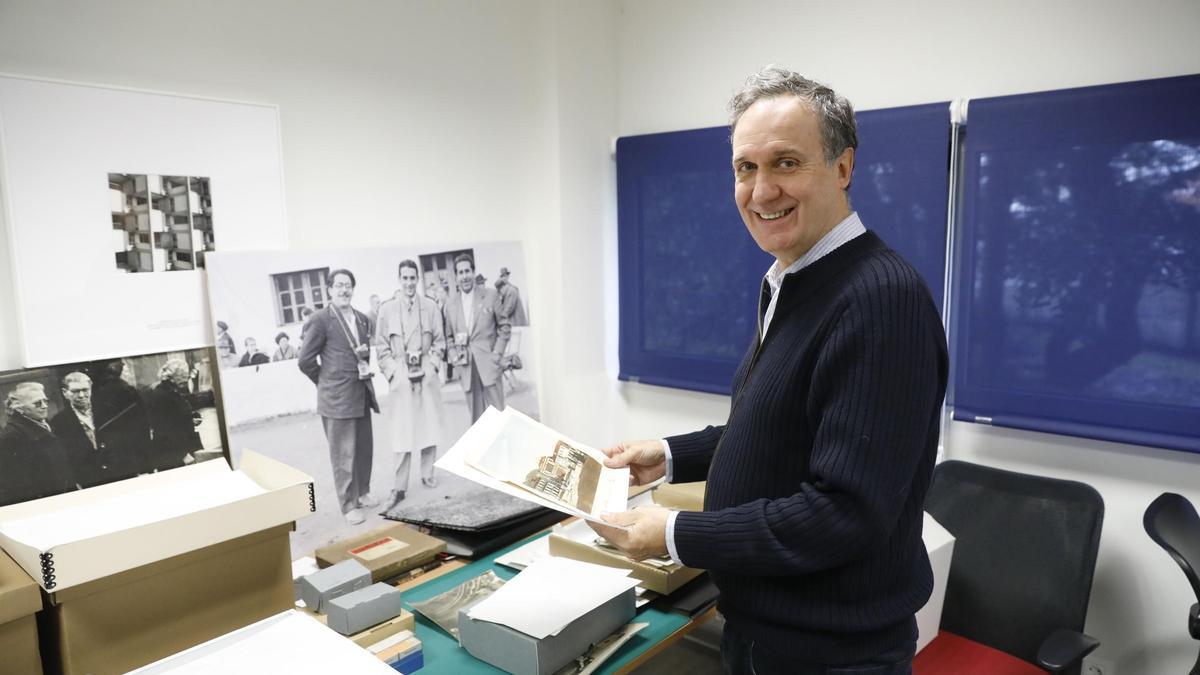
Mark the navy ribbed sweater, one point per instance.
(811, 526)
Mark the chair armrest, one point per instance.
(1064, 649)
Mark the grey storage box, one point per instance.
(318, 588)
(516, 652)
(366, 607)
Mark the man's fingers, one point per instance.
(612, 534)
(621, 519)
(622, 457)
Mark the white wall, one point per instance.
(402, 122)
(680, 61)
(414, 122)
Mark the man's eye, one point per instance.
(788, 164)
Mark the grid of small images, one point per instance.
(160, 223)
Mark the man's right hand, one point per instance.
(647, 460)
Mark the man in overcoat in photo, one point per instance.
(410, 343)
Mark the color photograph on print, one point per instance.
(78, 425)
(362, 367)
(160, 223)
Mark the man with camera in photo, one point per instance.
(336, 356)
(479, 335)
(410, 344)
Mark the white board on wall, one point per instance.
(59, 142)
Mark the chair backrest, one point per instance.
(1024, 553)
(1172, 523)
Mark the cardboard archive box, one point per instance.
(372, 635)
(358, 611)
(680, 496)
(154, 576)
(129, 619)
(19, 600)
(511, 650)
(567, 543)
(386, 551)
(280, 495)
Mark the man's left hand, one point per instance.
(646, 533)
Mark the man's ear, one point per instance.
(845, 168)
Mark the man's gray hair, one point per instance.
(75, 376)
(14, 396)
(171, 367)
(834, 113)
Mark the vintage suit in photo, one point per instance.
(32, 462)
(487, 332)
(412, 325)
(95, 459)
(511, 305)
(344, 401)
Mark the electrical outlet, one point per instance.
(1095, 666)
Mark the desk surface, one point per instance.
(444, 655)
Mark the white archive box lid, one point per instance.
(76, 537)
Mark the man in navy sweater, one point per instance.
(811, 526)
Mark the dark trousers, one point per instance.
(480, 396)
(742, 656)
(351, 447)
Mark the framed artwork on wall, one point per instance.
(101, 185)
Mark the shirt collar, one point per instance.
(849, 228)
(83, 416)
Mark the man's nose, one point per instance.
(766, 189)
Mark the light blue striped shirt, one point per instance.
(841, 233)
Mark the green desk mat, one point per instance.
(444, 655)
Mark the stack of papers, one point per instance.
(534, 601)
(510, 452)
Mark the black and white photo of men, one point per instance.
(418, 383)
(80, 425)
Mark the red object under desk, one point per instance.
(950, 654)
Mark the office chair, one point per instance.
(1172, 523)
(1021, 576)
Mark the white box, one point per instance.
(940, 545)
(513, 651)
(285, 643)
(50, 539)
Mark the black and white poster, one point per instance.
(78, 425)
(362, 367)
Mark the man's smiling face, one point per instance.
(788, 195)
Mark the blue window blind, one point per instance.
(689, 271)
(1079, 281)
